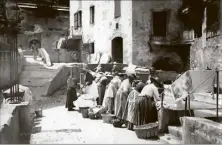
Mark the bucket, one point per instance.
(85, 112)
(38, 113)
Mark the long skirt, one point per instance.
(131, 112)
(146, 110)
(120, 103)
(101, 91)
(70, 97)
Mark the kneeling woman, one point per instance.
(146, 102)
(90, 93)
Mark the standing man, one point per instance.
(71, 93)
(34, 50)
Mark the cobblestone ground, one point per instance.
(60, 126)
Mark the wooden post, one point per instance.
(218, 89)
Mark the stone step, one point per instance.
(33, 82)
(207, 113)
(169, 139)
(175, 131)
(37, 74)
(37, 68)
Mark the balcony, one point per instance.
(186, 37)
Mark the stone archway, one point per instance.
(117, 49)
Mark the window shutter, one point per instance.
(75, 21)
(117, 12)
(85, 48)
(80, 19)
(91, 50)
(92, 14)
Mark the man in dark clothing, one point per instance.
(71, 93)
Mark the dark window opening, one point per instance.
(92, 14)
(159, 23)
(198, 32)
(213, 18)
(78, 19)
(117, 11)
(117, 25)
(92, 48)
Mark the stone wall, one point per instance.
(15, 124)
(142, 26)
(210, 56)
(201, 131)
(53, 28)
(104, 29)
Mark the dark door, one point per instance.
(117, 49)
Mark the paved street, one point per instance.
(61, 126)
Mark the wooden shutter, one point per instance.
(117, 11)
(92, 14)
(75, 21)
(80, 19)
(91, 48)
(85, 48)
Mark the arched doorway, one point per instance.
(117, 49)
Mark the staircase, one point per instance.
(174, 136)
(38, 77)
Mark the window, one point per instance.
(160, 23)
(213, 18)
(117, 11)
(92, 14)
(78, 19)
(92, 48)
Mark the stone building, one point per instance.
(153, 32)
(54, 23)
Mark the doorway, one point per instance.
(117, 49)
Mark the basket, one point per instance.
(107, 118)
(147, 131)
(85, 112)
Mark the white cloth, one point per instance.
(112, 89)
(92, 90)
(89, 98)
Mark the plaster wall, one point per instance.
(104, 28)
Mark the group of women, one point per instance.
(131, 100)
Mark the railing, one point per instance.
(211, 34)
(185, 36)
(187, 99)
(187, 108)
(9, 66)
